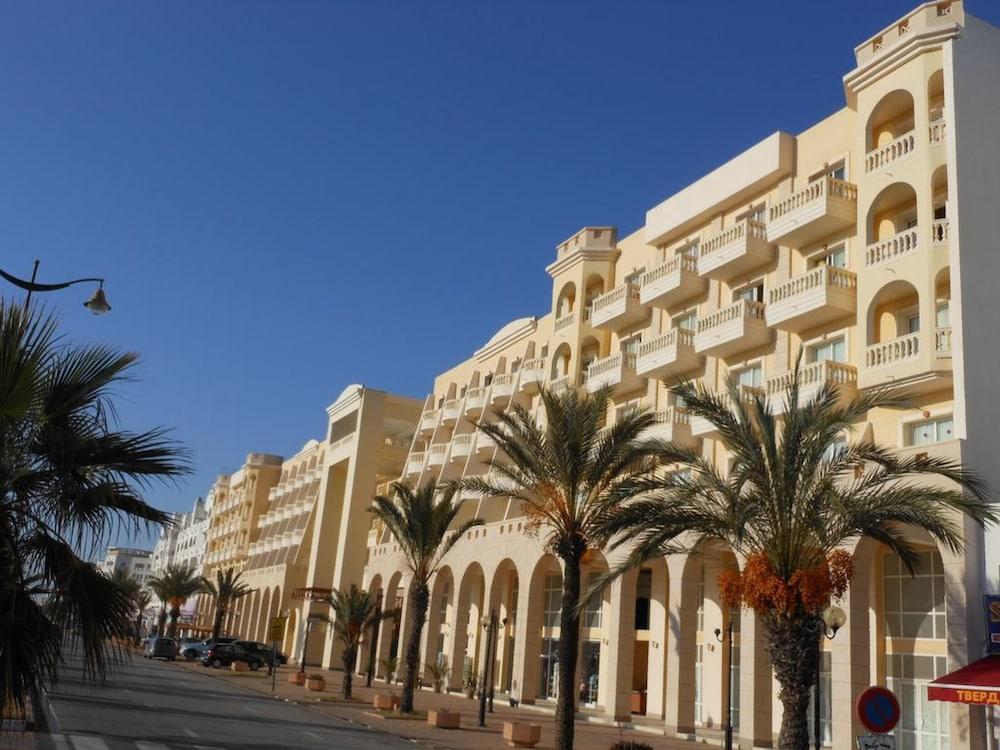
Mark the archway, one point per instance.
(504, 591)
(590, 351)
(440, 615)
(566, 301)
(369, 638)
(541, 631)
(890, 118)
(389, 636)
(560, 361)
(468, 613)
(593, 289)
(892, 212)
(939, 200)
(935, 96)
(260, 619)
(894, 312)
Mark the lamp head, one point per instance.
(834, 618)
(98, 302)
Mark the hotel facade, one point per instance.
(866, 245)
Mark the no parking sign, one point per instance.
(878, 709)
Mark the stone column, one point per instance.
(527, 646)
(680, 652)
(756, 690)
(618, 653)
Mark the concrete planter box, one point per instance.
(296, 678)
(443, 719)
(317, 686)
(385, 701)
(519, 734)
(239, 666)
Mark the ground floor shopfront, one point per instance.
(653, 649)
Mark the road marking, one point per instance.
(88, 743)
(189, 732)
(251, 710)
(151, 746)
(313, 735)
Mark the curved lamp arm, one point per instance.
(34, 286)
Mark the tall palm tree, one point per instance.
(421, 522)
(159, 588)
(354, 611)
(175, 586)
(795, 497)
(568, 475)
(142, 601)
(70, 481)
(227, 589)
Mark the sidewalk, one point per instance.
(589, 734)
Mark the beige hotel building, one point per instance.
(869, 244)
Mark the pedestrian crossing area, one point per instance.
(92, 742)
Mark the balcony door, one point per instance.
(832, 350)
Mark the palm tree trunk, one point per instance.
(138, 628)
(161, 620)
(418, 609)
(793, 644)
(175, 613)
(350, 655)
(569, 642)
(220, 612)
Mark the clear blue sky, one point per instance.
(290, 197)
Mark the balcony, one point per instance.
(415, 463)
(503, 387)
(451, 410)
(812, 299)
(702, 428)
(563, 324)
(738, 327)
(736, 251)
(811, 378)
(673, 425)
(532, 375)
(900, 245)
(429, 420)
(919, 362)
(485, 445)
(437, 454)
(475, 401)
(667, 355)
(939, 232)
(618, 309)
(618, 371)
(893, 352)
(816, 211)
(562, 383)
(461, 446)
(880, 158)
(671, 283)
(942, 341)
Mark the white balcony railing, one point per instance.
(813, 376)
(819, 209)
(430, 419)
(565, 321)
(461, 445)
(436, 454)
(936, 132)
(451, 410)
(939, 231)
(814, 191)
(475, 399)
(819, 278)
(891, 352)
(415, 464)
(562, 383)
(891, 152)
(887, 250)
(532, 373)
(942, 341)
(620, 306)
(503, 386)
(744, 309)
(673, 265)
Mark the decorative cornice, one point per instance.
(498, 343)
(576, 257)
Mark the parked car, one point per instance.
(194, 650)
(224, 654)
(264, 650)
(161, 648)
(220, 639)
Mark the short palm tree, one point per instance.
(70, 481)
(175, 586)
(159, 589)
(422, 521)
(795, 498)
(130, 585)
(567, 476)
(354, 611)
(227, 588)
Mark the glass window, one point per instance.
(592, 615)
(934, 431)
(750, 376)
(835, 257)
(943, 316)
(911, 323)
(553, 600)
(915, 605)
(687, 321)
(750, 293)
(831, 350)
(838, 172)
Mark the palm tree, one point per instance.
(354, 611)
(136, 594)
(421, 521)
(568, 476)
(142, 601)
(795, 498)
(70, 481)
(158, 587)
(227, 589)
(175, 587)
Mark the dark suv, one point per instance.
(224, 654)
(263, 650)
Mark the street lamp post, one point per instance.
(490, 624)
(97, 304)
(305, 640)
(833, 619)
(728, 638)
(374, 639)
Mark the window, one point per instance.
(837, 171)
(940, 212)
(750, 376)
(754, 213)
(943, 315)
(836, 257)
(933, 431)
(592, 615)
(553, 600)
(910, 322)
(751, 292)
(832, 350)
(686, 321)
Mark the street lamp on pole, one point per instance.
(97, 304)
(727, 637)
(490, 624)
(833, 619)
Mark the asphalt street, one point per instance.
(152, 705)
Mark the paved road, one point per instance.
(151, 705)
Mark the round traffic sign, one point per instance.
(878, 709)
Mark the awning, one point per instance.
(978, 682)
